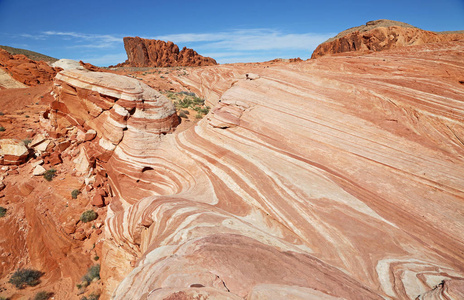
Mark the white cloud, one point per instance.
(251, 40)
(92, 40)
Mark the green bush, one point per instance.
(49, 174)
(74, 193)
(92, 273)
(91, 297)
(23, 277)
(88, 216)
(199, 116)
(43, 295)
(2, 128)
(2, 211)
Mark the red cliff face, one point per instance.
(381, 35)
(156, 53)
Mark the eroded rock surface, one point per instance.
(324, 186)
(304, 183)
(25, 70)
(381, 35)
(156, 53)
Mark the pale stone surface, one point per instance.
(67, 64)
(321, 185)
(38, 170)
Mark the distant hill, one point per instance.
(382, 35)
(29, 54)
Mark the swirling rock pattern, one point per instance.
(337, 178)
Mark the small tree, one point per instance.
(2, 211)
(88, 216)
(2, 128)
(49, 174)
(43, 295)
(23, 277)
(74, 193)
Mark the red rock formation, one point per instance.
(156, 53)
(320, 185)
(25, 70)
(381, 35)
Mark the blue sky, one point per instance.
(229, 31)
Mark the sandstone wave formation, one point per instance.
(381, 35)
(301, 183)
(156, 53)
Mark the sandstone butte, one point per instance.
(301, 183)
(382, 35)
(155, 53)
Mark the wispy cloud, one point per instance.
(90, 40)
(241, 45)
(251, 39)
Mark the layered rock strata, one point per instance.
(156, 53)
(108, 110)
(25, 70)
(303, 183)
(381, 35)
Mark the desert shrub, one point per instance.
(74, 193)
(23, 277)
(43, 295)
(188, 93)
(27, 116)
(92, 273)
(2, 211)
(91, 297)
(96, 258)
(198, 116)
(185, 103)
(4, 298)
(88, 216)
(2, 128)
(198, 101)
(2, 113)
(49, 174)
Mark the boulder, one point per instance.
(14, 152)
(38, 170)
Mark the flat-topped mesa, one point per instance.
(157, 53)
(381, 35)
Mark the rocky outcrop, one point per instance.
(304, 183)
(108, 111)
(381, 35)
(156, 53)
(25, 70)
